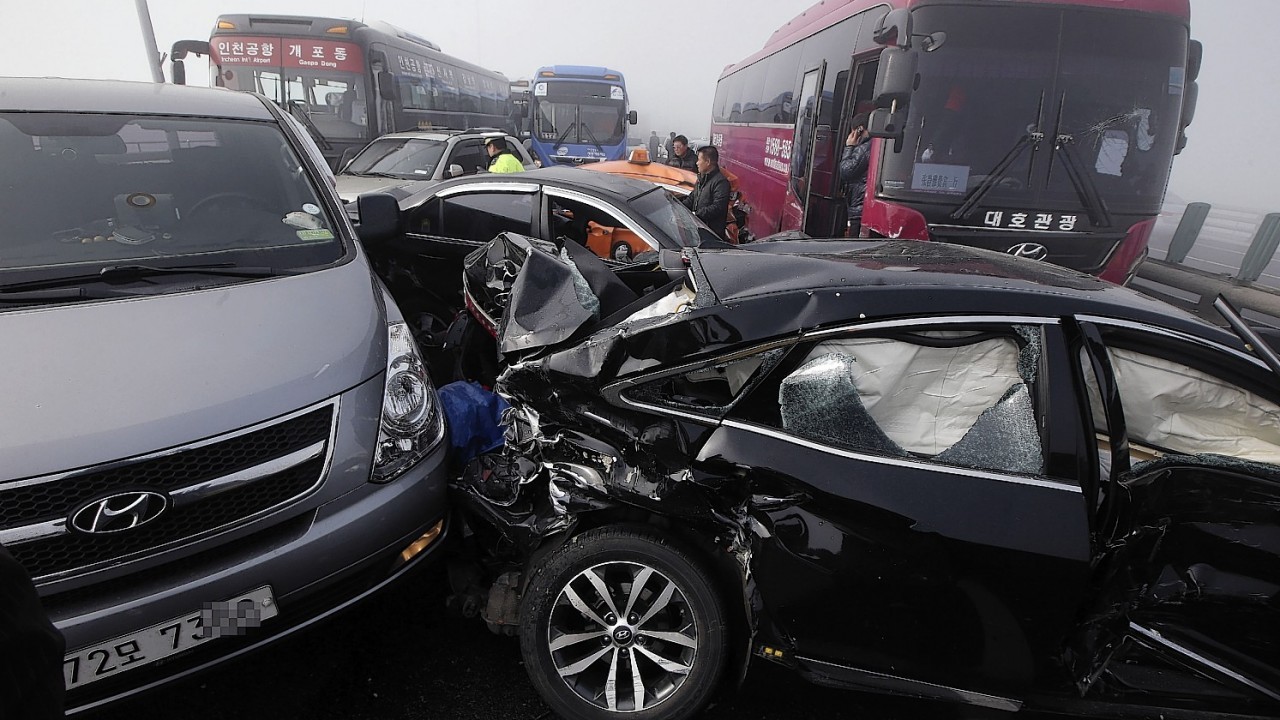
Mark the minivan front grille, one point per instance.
(211, 485)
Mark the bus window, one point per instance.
(776, 100)
(805, 121)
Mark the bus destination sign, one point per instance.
(261, 51)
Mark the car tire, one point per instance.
(620, 252)
(673, 621)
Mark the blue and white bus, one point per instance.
(578, 114)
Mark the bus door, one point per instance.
(826, 212)
(802, 148)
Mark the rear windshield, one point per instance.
(79, 192)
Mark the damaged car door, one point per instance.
(1190, 571)
(912, 534)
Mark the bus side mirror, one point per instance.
(1195, 58)
(895, 78)
(632, 117)
(894, 29)
(888, 124)
(1188, 114)
(178, 53)
(386, 85)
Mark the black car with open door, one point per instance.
(910, 468)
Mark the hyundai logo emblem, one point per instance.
(117, 513)
(1031, 251)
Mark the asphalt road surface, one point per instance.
(399, 656)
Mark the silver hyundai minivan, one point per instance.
(215, 427)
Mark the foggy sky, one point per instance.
(671, 52)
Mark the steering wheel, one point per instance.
(247, 201)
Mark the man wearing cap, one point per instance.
(501, 159)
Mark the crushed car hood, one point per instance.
(84, 384)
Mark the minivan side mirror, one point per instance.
(379, 217)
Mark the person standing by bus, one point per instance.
(710, 197)
(501, 159)
(653, 145)
(682, 156)
(669, 145)
(854, 162)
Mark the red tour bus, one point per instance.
(1043, 128)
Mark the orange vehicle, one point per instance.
(639, 166)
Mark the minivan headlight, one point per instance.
(411, 420)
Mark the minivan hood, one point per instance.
(87, 383)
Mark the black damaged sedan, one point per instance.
(908, 468)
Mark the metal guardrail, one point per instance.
(1193, 282)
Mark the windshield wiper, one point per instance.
(592, 135)
(1086, 189)
(298, 109)
(1033, 138)
(375, 174)
(126, 273)
(565, 134)
(59, 294)
(997, 174)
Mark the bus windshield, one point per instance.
(334, 102)
(579, 112)
(1107, 89)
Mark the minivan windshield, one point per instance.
(87, 193)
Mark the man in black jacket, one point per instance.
(853, 170)
(682, 157)
(710, 197)
(30, 649)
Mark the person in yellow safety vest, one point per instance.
(501, 159)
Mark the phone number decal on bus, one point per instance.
(286, 52)
(777, 154)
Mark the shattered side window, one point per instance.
(1171, 407)
(711, 389)
(960, 398)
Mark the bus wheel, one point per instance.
(620, 252)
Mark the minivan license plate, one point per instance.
(132, 651)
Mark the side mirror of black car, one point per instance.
(379, 217)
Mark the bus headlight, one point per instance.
(412, 425)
